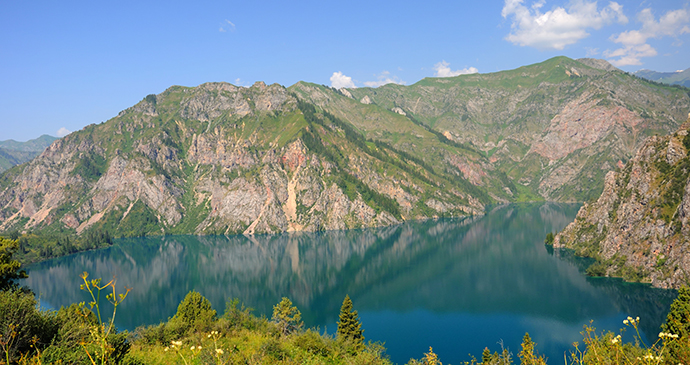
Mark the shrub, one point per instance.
(9, 268)
(596, 269)
(271, 348)
(239, 316)
(195, 312)
(313, 343)
(20, 322)
(678, 323)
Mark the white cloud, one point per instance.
(559, 27)
(338, 80)
(591, 52)
(443, 70)
(630, 55)
(227, 25)
(384, 78)
(239, 82)
(63, 132)
(634, 42)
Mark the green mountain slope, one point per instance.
(224, 159)
(554, 128)
(14, 153)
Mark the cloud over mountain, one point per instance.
(442, 69)
(559, 27)
(634, 42)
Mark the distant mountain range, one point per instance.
(15, 153)
(222, 159)
(672, 78)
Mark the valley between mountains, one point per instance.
(223, 159)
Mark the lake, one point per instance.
(458, 285)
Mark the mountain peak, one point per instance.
(598, 63)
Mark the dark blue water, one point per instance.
(456, 285)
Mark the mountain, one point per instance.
(639, 228)
(681, 78)
(15, 153)
(224, 159)
(218, 158)
(554, 128)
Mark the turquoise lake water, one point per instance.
(458, 285)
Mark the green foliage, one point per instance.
(351, 185)
(272, 348)
(486, 356)
(549, 239)
(90, 166)
(239, 316)
(33, 248)
(527, 354)
(314, 343)
(287, 317)
(105, 346)
(139, 222)
(9, 268)
(678, 323)
(195, 312)
(163, 333)
(597, 268)
(151, 98)
(23, 327)
(349, 328)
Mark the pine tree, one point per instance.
(349, 327)
(527, 355)
(287, 317)
(486, 356)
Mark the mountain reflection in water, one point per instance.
(458, 285)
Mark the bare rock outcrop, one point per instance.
(639, 227)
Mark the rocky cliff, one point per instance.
(223, 159)
(639, 228)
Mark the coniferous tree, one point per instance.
(349, 327)
(527, 355)
(678, 323)
(486, 356)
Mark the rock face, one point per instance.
(221, 159)
(639, 227)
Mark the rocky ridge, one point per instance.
(555, 128)
(221, 159)
(639, 228)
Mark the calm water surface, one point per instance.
(457, 285)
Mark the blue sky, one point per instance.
(64, 65)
